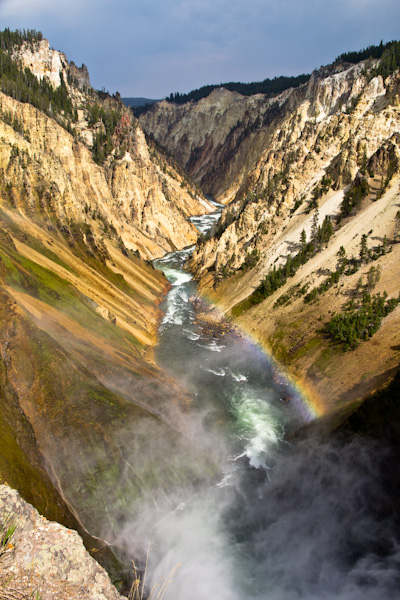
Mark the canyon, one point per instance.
(92, 427)
(279, 163)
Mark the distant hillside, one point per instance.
(267, 86)
(133, 102)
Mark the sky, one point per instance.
(150, 48)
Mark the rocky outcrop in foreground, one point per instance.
(44, 559)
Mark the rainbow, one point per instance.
(310, 405)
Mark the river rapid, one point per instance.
(287, 518)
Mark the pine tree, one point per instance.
(397, 225)
(342, 259)
(373, 276)
(384, 244)
(303, 238)
(363, 248)
(314, 229)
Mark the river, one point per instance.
(286, 520)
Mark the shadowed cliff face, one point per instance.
(220, 139)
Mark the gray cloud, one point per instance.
(153, 47)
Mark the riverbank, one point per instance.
(211, 321)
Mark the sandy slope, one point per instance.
(333, 378)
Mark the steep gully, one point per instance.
(290, 517)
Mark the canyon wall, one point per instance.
(90, 427)
(284, 164)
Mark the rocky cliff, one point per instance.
(207, 137)
(42, 559)
(84, 198)
(141, 194)
(90, 428)
(219, 139)
(328, 149)
(44, 61)
(131, 198)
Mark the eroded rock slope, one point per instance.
(84, 199)
(326, 151)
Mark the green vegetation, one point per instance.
(7, 224)
(15, 39)
(393, 167)
(268, 86)
(267, 193)
(349, 266)
(14, 122)
(251, 259)
(369, 52)
(353, 198)
(397, 226)
(80, 236)
(106, 121)
(320, 190)
(276, 278)
(390, 61)
(360, 320)
(23, 85)
(29, 277)
(389, 54)
(20, 460)
(320, 235)
(8, 526)
(294, 292)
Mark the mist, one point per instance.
(319, 524)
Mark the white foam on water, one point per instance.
(219, 372)
(258, 427)
(177, 277)
(175, 312)
(226, 480)
(238, 377)
(205, 222)
(214, 346)
(191, 335)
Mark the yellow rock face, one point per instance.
(47, 169)
(81, 398)
(270, 156)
